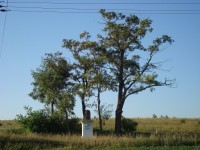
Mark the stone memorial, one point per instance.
(87, 128)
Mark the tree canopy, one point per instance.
(114, 61)
(119, 49)
(52, 85)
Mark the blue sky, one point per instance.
(29, 35)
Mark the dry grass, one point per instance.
(7, 125)
(163, 132)
(160, 125)
(76, 142)
(169, 125)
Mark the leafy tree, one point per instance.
(120, 48)
(81, 77)
(121, 45)
(102, 82)
(104, 111)
(52, 85)
(88, 71)
(65, 107)
(154, 116)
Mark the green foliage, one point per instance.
(75, 125)
(41, 122)
(51, 84)
(183, 121)
(121, 44)
(106, 110)
(110, 63)
(166, 117)
(35, 121)
(198, 122)
(128, 125)
(154, 116)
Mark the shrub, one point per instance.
(154, 116)
(40, 122)
(198, 123)
(128, 125)
(74, 125)
(35, 121)
(183, 120)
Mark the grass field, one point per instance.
(159, 134)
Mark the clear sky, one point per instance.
(31, 30)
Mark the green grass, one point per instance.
(159, 134)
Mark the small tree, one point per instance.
(52, 85)
(102, 82)
(89, 74)
(154, 116)
(104, 112)
(82, 68)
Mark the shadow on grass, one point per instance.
(28, 144)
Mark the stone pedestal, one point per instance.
(87, 129)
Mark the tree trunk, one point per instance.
(83, 105)
(118, 116)
(67, 121)
(118, 125)
(99, 110)
(52, 107)
(120, 103)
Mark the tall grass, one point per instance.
(76, 142)
(151, 134)
(159, 125)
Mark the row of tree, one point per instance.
(112, 62)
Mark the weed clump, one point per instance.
(183, 121)
(129, 126)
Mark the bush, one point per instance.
(40, 122)
(36, 121)
(154, 116)
(75, 125)
(183, 121)
(128, 125)
(198, 123)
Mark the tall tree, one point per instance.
(102, 81)
(83, 66)
(52, 82)
(122, 46)
(89, 74)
